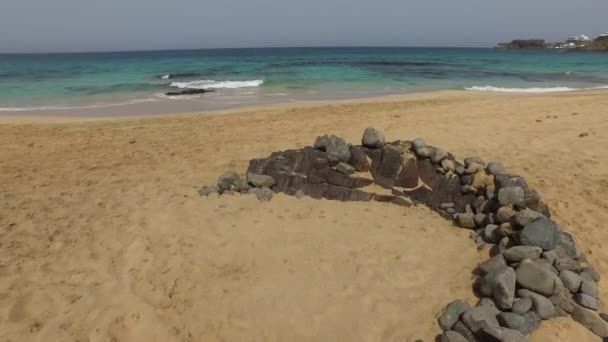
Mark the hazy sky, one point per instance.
(93, 25)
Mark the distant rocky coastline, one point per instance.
(578, 43)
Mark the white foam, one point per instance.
(210, 84)
(165, 77)
(533, 90)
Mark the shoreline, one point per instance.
(30, 117)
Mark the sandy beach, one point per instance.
(107, 240)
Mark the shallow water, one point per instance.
(112, 82)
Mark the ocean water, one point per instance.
(87, 81)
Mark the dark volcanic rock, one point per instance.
(541, 305)
(395, 165)
(590, 320)
(452, 313)
(337, 150)
(358, 159)
(543, 233)
(208, 190)
(260, 181)
(188, 92)
(452, 336)
(519, 253)
(537, 278)
(372, 138)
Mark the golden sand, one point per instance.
(103, 240)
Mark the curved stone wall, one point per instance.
(535, 271)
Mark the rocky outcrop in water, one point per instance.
(189, 92)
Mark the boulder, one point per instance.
(484, 314)
(542, 305)
(260, 181)
(513, 195)
(373, 138)
(495, 168)
(542, 232)
(586, 301)
(337, 150)
(425, 152)
(452, 336)
(511, 320)
(473, 160)
(536, 278)
(519, 253)
(395, 165)
(588, 288)
(521, 305)
(321, 142)
(500, 285)
(571, 280)
(524, 217)
(590, 320)
(358, 159)
(452, 314)
(494, 263)
(208, 190)
(418, 143)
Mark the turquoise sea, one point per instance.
(90, 82)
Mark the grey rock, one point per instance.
(586, 301)
(500, 334)
(546, 265)
(542, 305)
(566, 263)
(511, 320)
(425, 152)
(441, 170)
(543, 233)
(495, 168)
(511, 196)
(521, 305)
(446, 205)
(473, 160)
(466, 220)
(260, 181)
(450, 211)
(452, 336)
(227, 180)
(418, 143)
(299, 194)
(263, 194)
(438, 155)
(500, 285)
(536, 278)
(479, 219)
(358, 159)
(524, 217)
(590, 320)
(504, 214)
(345, 168)
(459, 170)
(208, 190)
(550, 256)
(571, 280)
(321, 142)
(588, 288)
(373, 138)
(448, 164)
(131, 141)
(519, 253)
(452, 313)
(463, 330)
(466, 180)
(589, 273)
(564, 301)
(505, 230)
(491, 233)
(492, 264)
(242, 186)
(533, 322)
(484, 314)
(567, 245)
(337, 150)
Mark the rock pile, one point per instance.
(535, 272)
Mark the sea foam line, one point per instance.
(211, 84)
(102, 105)
(535, 90)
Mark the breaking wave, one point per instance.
(210, 84)
(534, 90)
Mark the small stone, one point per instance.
(491, 233)
(567, 244)
(564, 301)
(490, 333)
(300, 194)
(448, 164)
(452, 336)
(542, 305)
(373, 138)
(571, 280)
(438, 155)
(566, 263)
(495, 168)
(263, 194)
(321, 142)
(459, 170)
(452, 313)
(536, 278)
(584, 134)
(588, 288)
(418, 143)
(513, 195)
(524, 217)
(450, 211)
(463, 330)
(586, 301)
(504, 214)
(464, 189)
(260, 181)
(446, 205)
(358, 159)
(484, 314)
(590, 274)
(242, 186)
(466, 180)
(227, 180)
(519, 253)
(550, 256)
(542, 232)
(473, 160)
(441, 170)
(466, 220)
(532, 322)
(479, 219)
(511, 320)
(425, 152)
(590, 321)
(208, 190)
(337, 150)
(131, 141)
(500, 284)
(521, 305)
(345, 168)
